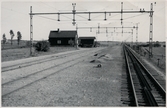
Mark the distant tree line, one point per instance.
(4, 38)
(19, 36)
(156, 44)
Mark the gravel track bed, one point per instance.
(81, 84)
(23, 72)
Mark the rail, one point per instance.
(145, 78)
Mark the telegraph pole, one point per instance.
(73, 11)
(107, 36)
(132, 37)
(112, 34)
(121, 13)
(98, 27)
(151, 32)
(137, 33)
(76, 37)
(137, 47)
(89, 19)
(96, 35)
(104, 28)
(31, 31)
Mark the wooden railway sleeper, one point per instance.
(150, 97)
(139, 73)
(148, 92)
(130, 81)
(158, 86)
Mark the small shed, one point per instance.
(86, 41)
(62, 37)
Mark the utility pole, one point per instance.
(96, 35)
(31, 31)
(122, 17)
(98, 12)
(74, 12)
(76, 37)
(132, 37)
(137, 47)
(122, 30)
(151, 32)
(107, 36)
(105, 28)
(137, 33)
(98, 27)
(112, 34)
(121, 13)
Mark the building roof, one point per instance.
(87, 37)
(62, 34)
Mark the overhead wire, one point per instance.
(66, 17)
(27, 14)
(57, 9)
(77, 15)
(160, 9)
(81, 7)
(133, 16)
(47, 18)
(103, 9)
(13, 10)
(81, 16)
(49, 5)
(113, 16)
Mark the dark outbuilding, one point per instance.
(62, 37)
(86, 41)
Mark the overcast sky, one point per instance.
(15, 16)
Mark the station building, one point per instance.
(86, 41)
(62, 37)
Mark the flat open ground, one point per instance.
(21, 53)
(158, 53)
(65, 76)
(65, 79)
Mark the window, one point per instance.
(58, 41)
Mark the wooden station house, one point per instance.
(62, 37)
(86, 41)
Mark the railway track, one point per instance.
(142, 88)
(36, 76)
(30, 63)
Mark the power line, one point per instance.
(160, 9)
(66, 17)
(82, 7)
(49, 5)
(47, 18)
(113, 16)
(74, 13)
(27, 14)
(82, 16)
(14, 11)
(133, 16)
(96, 16)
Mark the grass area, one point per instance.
(15, 45)
(14, 52)
(158, 53)
(20, 53)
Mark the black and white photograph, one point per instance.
(83, 53)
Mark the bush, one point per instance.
(28, 44)
(157, 45)
(42, 46)
(145, 45)
(96, 44)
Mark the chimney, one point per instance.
(58, 30)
